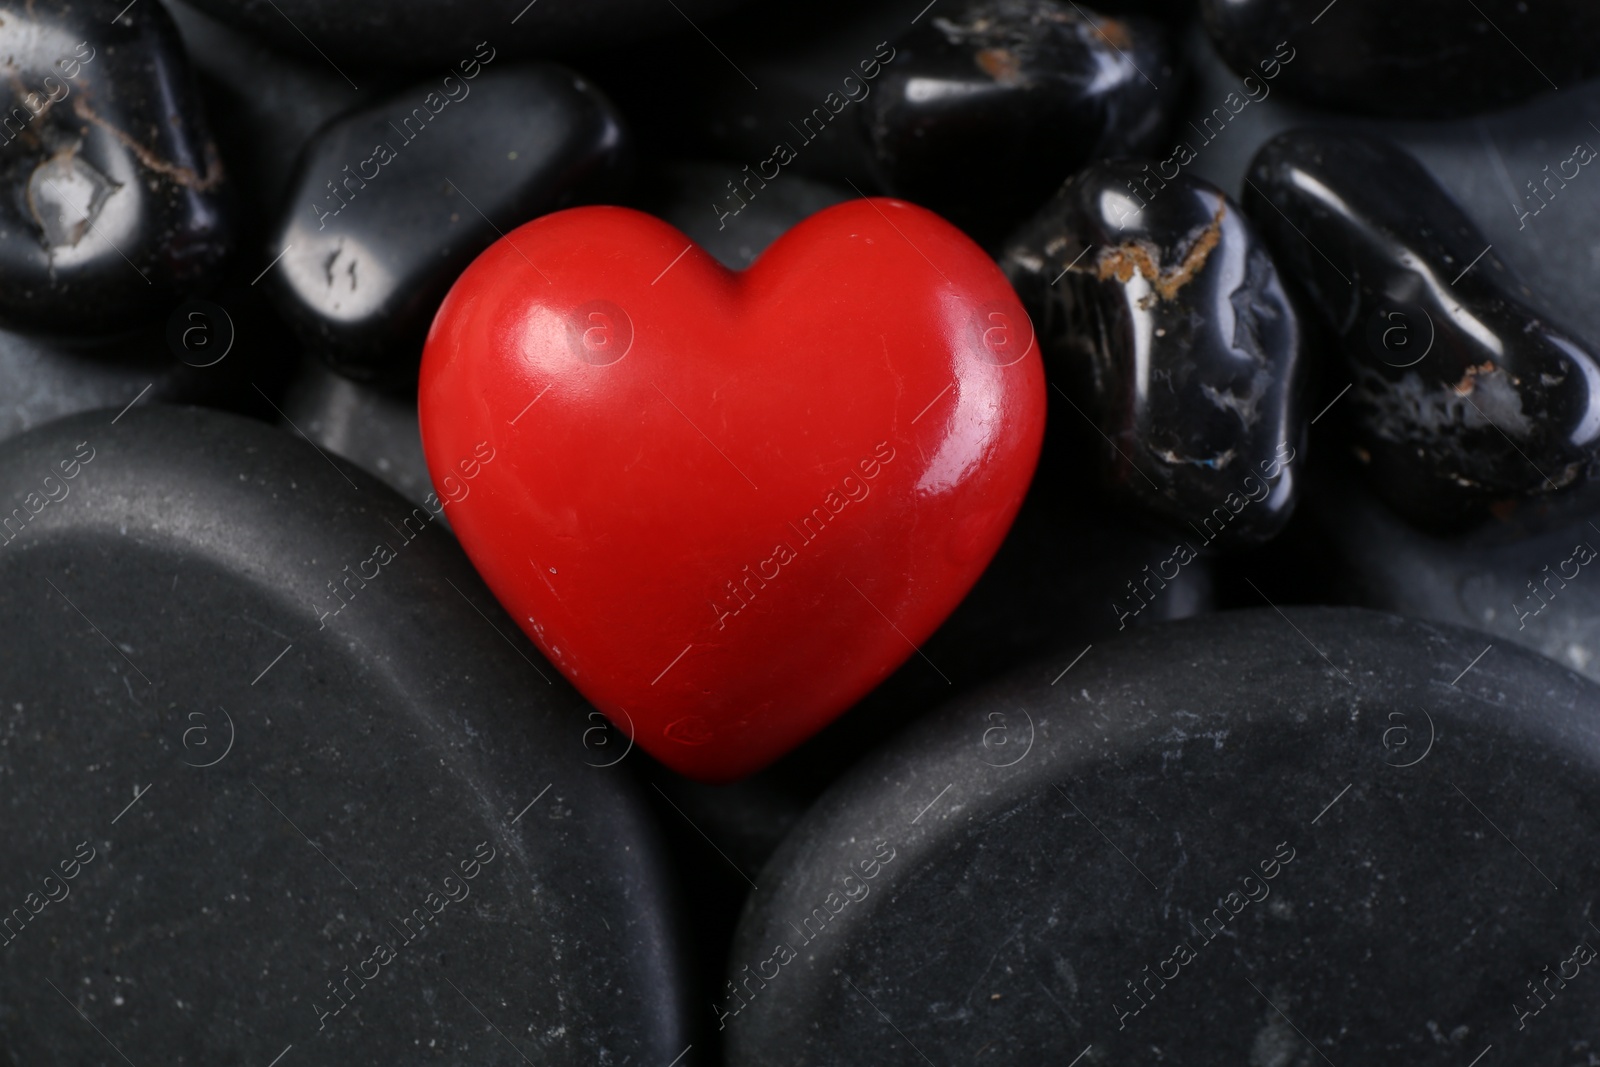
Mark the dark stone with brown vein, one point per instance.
(112, 195)
(987, 107)
(1466, 394)
(1163, 321)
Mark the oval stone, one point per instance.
(1463, 391)
(1164, 324)
(283, 782)
(1225, 841)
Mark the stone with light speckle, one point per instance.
(278, 773)
(1256, 838)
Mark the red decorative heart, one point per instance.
(727, 504)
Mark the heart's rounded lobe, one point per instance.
(728, 504)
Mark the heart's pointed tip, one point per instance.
(873, 374)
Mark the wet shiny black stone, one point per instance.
(391, 203)
(1265, 790)
(113, 199)
(1504, 169)
(987, 107)
(1423, 59)
(272, 785)
(1463, 392)
(1161, 317)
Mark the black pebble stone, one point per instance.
(266, 801)
(1464, 390)
(389, 204)
(1503, 168)
(1160, 311)
(115, 198)
(1334, 774)
(988, 106)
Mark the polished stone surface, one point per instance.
(303, 782)
(988, 106)
(389, 204)
(1501, 168)
(1422, 59)
(1465, 392)
(1219, 841)
(1163, 321)
(115, 199)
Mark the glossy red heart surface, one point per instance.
(726, 504)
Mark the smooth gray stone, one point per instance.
(256, 780)
(1314, 803)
